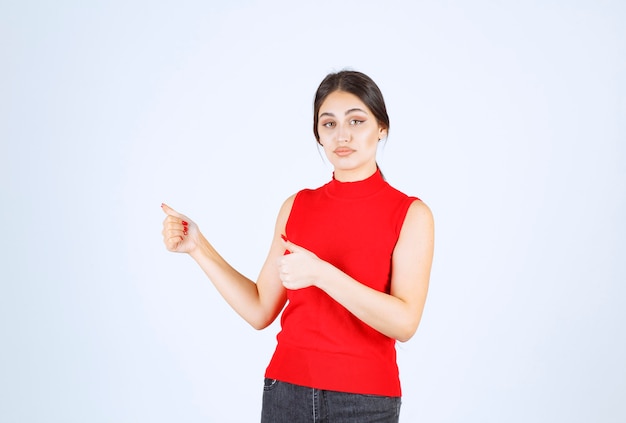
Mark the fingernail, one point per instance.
(284, 237)
(185, 223)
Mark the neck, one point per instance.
(354, 175)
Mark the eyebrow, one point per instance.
(355, 109)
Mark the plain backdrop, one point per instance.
(508, 119)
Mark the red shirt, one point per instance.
(353, 226)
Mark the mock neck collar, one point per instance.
(357, 189)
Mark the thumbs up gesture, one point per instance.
(180, 234)
(300, 268)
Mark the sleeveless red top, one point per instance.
(355, 227)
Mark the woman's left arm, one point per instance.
(396, 314)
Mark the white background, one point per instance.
(507, 119)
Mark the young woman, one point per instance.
(350, 260)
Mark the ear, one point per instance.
(382, 132)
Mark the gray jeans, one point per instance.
(287, 403)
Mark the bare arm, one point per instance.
(397, 314)
(258, 303)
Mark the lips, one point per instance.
(343, 151)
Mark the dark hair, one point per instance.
(355, 83)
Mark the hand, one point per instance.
(180, 234)
(300, 268)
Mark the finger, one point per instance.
(290, 246)
(285, 242)
(170, 211)
(171, 220)
(173, 223)
(172, 243)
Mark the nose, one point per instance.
(343, 133)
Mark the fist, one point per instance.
(300, 268)
(180, 234)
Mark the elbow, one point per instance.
(260, 321)
(259, 325)
(404, 339)
(407, 331)
(261, 317)
(405, 336)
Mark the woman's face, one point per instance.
(349, 133)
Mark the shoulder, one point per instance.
(417, 236)
(419, 217)
(304, 193)
(419, 209)
(288, 204)
(285, 211)
(393, 192)
(406, 204)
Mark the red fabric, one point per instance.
(355, 227)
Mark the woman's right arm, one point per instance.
(258, 303)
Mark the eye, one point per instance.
(356, 121)
(328, 124)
